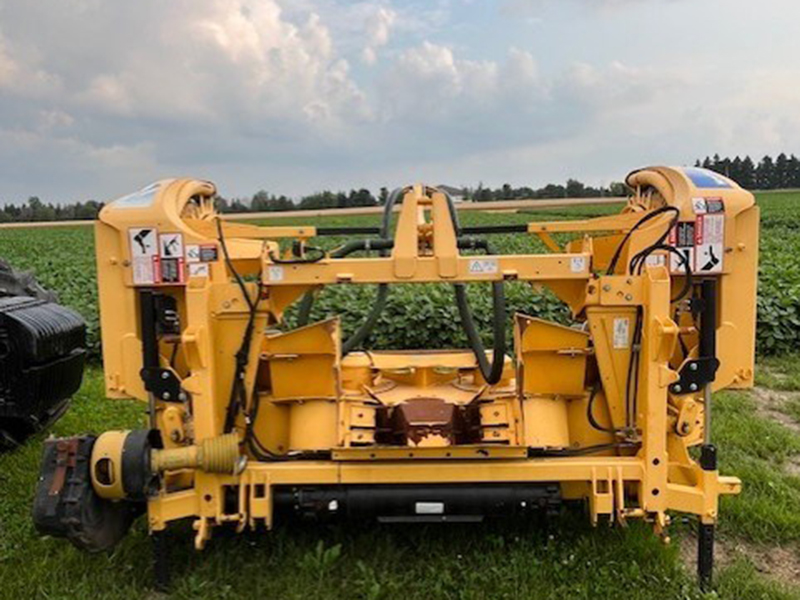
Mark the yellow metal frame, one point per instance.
(302, 379)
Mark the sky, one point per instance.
(100, 97)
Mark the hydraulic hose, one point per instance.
(491, 373)
(383, 289)
(382, 244)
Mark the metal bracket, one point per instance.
(163, 384)
(695, 374)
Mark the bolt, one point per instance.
(606, 288)
(165, 396)
(182, 396)
(693, 366)
(175, 436)
(628, 297)
(676, 388)
(165, 375)
(693, 387)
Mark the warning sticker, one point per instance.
(622, 327)
(192, 253)
(201, 253)
(144, 255)
(171, 270)
(171, 245)
(709, 243)
(483, 266)
(577, 264)
(682, 237)
(275, 273)
(208, 253)
(198, 269)
(170, 249)
(655, 260)
(702, 206)
(699, 206)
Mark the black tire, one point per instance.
(18, 423)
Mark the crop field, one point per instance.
(757, 432)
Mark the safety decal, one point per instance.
(483, 266)
(171, 258)
(201, 253)
(144, 255)
(198, 269)
(275, 273)
(577, 264)
(709, 243)
(192, 253)
(704, 206)
(655, 260)
(622, 328)
(682, 237)
(208, 253)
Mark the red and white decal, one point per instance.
(171, 258)
(709, 243)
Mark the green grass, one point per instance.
(566, 559)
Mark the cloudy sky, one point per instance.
(99, 97)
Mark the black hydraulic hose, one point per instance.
(304, 312)
(359, 245)
(383, 289)
(612, 265)
(491, 373)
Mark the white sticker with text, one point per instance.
(622, 328)
(483, 266)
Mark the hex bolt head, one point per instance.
(693, 366)
(165, 375)
(628, 297)
(693, 387)
(606, 288)
(676, 388)
(165, 396)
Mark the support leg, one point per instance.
(705, 555)
(705, 532)
(161, 566)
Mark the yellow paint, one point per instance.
(309, 399)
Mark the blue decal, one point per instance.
(703, 178)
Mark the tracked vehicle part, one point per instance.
(66, 504)
(42, 352)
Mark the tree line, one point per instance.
(778, 173)
(781, 172)
(262, 201)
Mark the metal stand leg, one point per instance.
(705, 555)
(161, 566)
(705, 532)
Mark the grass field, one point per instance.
(758, 433)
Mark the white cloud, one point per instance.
(378, 27)
(294, 95)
